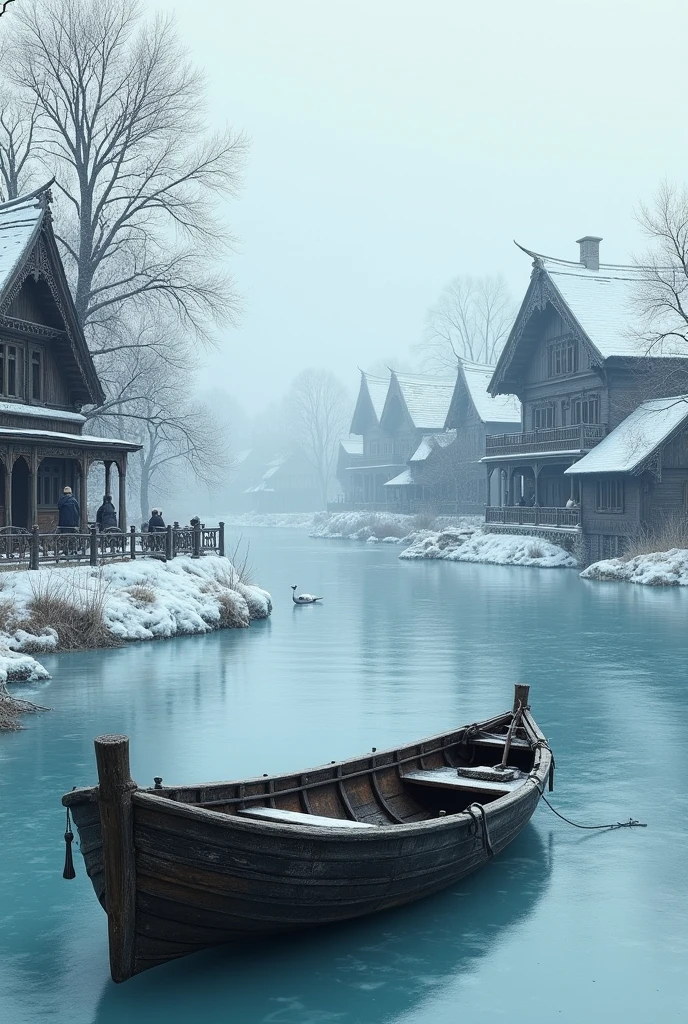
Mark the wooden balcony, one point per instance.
(518, 515)
(580, 438)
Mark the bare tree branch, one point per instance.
(317, 413)
(470, 320)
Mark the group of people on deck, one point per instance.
(69, 515)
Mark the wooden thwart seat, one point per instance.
(498, 741)
(298, 818)
(447, 778)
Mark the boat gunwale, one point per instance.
(84, 794)
(153, 799)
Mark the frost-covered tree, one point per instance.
(470, 320)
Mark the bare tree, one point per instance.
(470, 320)
(317, 413)
(17, 133)
(662, 289)
(149, 400)
(120, 112)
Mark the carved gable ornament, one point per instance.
(541, 293)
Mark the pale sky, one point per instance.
(396, 144)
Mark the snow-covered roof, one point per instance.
(19, 409)
(20, 222)
(76, 439)
(430, 441)
(377, 389)
(403, 480)
(352, 446)
(427, 399)
(501, 408)
(635, 439)
(604, 302)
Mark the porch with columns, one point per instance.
(532, 492)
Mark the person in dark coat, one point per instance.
(156, 524)
(106, 515)
(68, 512)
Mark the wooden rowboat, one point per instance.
(179, 869)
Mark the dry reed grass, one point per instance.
(672, 532)
(74, 609)
(142, 593)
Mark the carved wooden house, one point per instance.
(591, 402)
(46, 376)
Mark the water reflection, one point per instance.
(366, 971)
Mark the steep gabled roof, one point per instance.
(427, 399)
(600, 306)
(632, 444)
(28, 248)
(370, 403)
(473, 379)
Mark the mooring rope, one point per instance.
(631, 823)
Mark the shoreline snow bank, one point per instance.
(290, 520)
(141, 600)
(389, 527)
(658, 569)
(471, 544)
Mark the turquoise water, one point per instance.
(564, 926)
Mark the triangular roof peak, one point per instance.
(372, 394)
(425, 399)
(598, 304)
(28, 250)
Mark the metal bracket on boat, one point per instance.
(477, 813)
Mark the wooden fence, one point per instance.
(34, 548)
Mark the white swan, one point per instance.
(303, 598)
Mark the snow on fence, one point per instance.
(29, 546)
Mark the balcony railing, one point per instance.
(580, 437)
(536, 516)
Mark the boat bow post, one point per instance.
(115, 789)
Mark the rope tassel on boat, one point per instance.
(68, 871)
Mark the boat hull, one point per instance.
(204, 877)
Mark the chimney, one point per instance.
(590, 251)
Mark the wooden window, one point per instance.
(543, 416)
(49, 481)
(610, 495)
(586, 410)
(12, 370)
(562, 358)
(36, 377)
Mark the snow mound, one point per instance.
(658, 569)
(387, 527)
(291, 520)
(17, 667)
(470, 544)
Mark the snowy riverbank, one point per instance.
(471, 544)
(79, 607)
(382, 526)
(289, 520)
(658, 569)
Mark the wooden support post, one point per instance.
(132, 542)
(122, 467)
(169, 547)
(221, 540)
(8, 487)
(108, 471)
(83, 495)
(93, 546)
(33, 494)
(34, 550)
(196, 550)
(521, 692)
(115, 789)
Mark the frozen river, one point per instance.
(564, 926)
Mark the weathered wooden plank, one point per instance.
(295, 818)
(115, 787)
